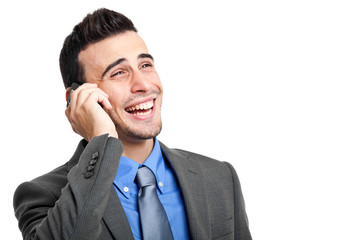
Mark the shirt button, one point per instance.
(126, 189)
(160, 184)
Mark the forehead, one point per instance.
(125, 45)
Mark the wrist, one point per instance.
(113, 134)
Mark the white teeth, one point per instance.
(143, 113)
(142, 106)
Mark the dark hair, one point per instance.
(95, 27)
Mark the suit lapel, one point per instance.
(115, 218)
(191, 180)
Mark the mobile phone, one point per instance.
(74, 86)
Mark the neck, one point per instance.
(137, 150)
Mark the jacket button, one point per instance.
(88, 174)
(93, 162)
(94, 156)
(90, 167)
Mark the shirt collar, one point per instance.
(128, 168)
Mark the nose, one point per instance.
(140, 83)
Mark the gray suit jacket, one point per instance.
(78, 200)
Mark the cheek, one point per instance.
(157, 82)
(116, 99)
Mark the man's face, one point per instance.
(123, 68)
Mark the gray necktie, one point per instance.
(154, 221)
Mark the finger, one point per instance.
(98, 97)
(105, 103)
(84, 94)
(74, 93)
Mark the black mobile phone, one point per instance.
(74, 86)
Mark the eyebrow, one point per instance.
(118, 61)
(110, 66)
(145, 55)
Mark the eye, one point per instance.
(146, 65)
(118, 73)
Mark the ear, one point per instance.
(68, 90)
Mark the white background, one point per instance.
(257, 83)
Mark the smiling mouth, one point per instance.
(144, 108)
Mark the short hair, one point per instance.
(95, 27)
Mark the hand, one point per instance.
(86, 116)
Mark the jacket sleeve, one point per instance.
(78, 211)
(241, 221)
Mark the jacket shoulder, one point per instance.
(56, 178)
(51, 182)
(203, 160)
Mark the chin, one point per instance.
(141, 134)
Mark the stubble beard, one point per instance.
(142, 134)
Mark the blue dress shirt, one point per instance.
(168, 192)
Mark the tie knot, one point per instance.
(145, 177)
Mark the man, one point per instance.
(98, 193)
